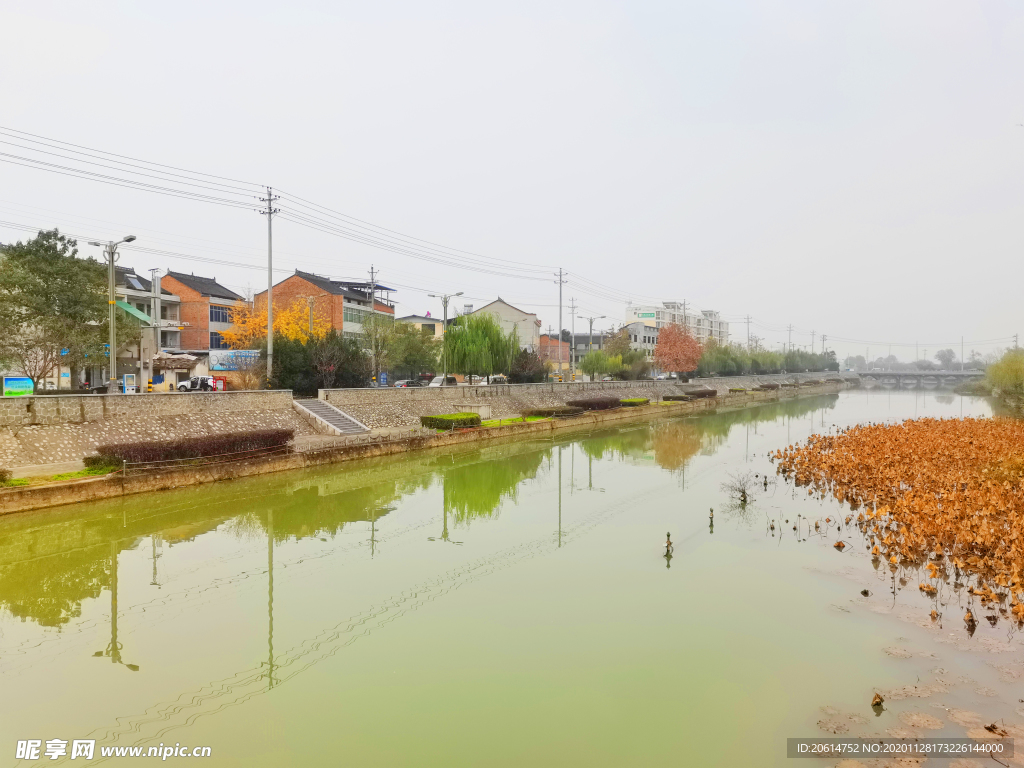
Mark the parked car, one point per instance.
(198, 384)
(441, 381)
(408, 383)
(608, 378)
(499, 380)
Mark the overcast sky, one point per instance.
(854, 168)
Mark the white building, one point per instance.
(509, 317)
(703, 325)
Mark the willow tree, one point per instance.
(477, 345)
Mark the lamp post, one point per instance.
(110, 253)
(590, 338)
(444, 297)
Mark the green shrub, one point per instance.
(737, 389)
(633, 402)
(771, 385)
(558, 410)
(703, 393)
(101, 462)
(594, 403)
(451, 420)
(676, 398)
(194, 447)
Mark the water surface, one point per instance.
(505, 606)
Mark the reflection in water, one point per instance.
(49, 568)
(475, 486)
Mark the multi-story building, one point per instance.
(509, 317)
(205, 309)
(642, 337)
(704, 325)
(341, 304)
(584, 343)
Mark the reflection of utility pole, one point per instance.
(152, 540)
(559, 497)
(113, 650)
(270, 598)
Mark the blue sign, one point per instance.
(17, 386)
(383, 378)
(229, 359)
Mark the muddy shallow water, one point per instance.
(504, 606)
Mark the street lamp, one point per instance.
(444, 297)
(590, 338)
(110, 252)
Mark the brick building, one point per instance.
(204, 309)
(548, 351)
(341, 303)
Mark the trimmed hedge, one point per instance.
(559, 410)
(191, 447)
(767, 387)
(101, 462)
(595, 403)
(676, 398)
(787, 385)
(703, 393)
(633, 402)
(737, 389)
(451, 420)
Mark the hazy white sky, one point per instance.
(852, 168)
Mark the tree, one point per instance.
(527, 368)
(677, 350)
(618, 343)
(380, 340)
(566, 335)
(323, 362)
(476, 344)
(415, 352)
(249, 324)
(594, 363)
(53, 307)
(946, 358)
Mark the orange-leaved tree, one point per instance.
(677, 350)
(249, 324)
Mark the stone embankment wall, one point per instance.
(387, 408)
(54, 429)
(54, 494)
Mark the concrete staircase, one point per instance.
(330, 418)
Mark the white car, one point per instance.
(198, 384)
(439, 381)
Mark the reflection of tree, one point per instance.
(628, 442)
(722, 422)
(675, 443)
(50, 590)
(475, 489)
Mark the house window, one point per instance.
(217, 341)
(428, 328)
(352, 315)
(219, 315)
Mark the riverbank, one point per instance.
(25, 498)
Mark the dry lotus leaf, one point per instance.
(920, 720)
(948, 493)
(833, 726)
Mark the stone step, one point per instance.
(338, 419)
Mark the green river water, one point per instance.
(508, 606)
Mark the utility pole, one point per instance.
(561, 282)
(154, 286)
(748, 332)
(373, 306)
(590, 337)
(444, 297)
(961, 354)
(572, 339)
(1015, 341)
(789, 343)
(110, 253)
(812, 341)
(269, 212)
(823, 338)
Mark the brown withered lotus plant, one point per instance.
(942, 494)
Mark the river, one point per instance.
(507, 606)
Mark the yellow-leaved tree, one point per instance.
(249, 324)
